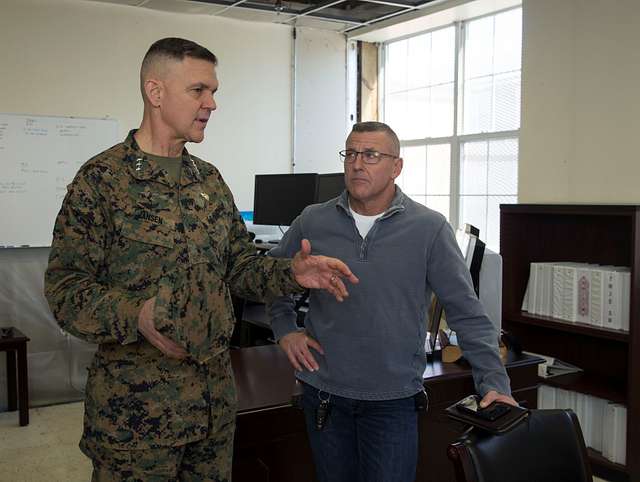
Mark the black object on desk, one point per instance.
(496, 418)
(14, 342)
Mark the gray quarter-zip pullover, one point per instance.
(374, 341)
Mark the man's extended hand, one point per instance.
(493, 396)
(321, 272)
(296, 345)
(147, 327)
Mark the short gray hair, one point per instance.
(372, 126)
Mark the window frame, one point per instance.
(457, 138)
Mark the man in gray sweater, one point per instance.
(362, 361)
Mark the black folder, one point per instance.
(497, 418)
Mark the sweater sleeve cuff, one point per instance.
(498, 381)
(283, 325)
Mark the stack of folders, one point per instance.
(603, 423)
(582, 293)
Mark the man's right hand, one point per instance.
(296, 345)
(147, 327)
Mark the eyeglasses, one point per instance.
(368, 156)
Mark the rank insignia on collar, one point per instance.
(205, 195)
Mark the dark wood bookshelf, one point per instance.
(605, 468)
(600, 234)
(564, 325)
(589, 384)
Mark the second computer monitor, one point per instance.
(279, 198)
(329, 186)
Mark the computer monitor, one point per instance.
(486, 273)
(329, 186)
(485, 267)
(279, 198)
(491, 286)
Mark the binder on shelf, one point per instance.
(583, 294)
(529, 302)
(594, 421)
(603, 423)
(545, 275)
(596, 300)
(546, 396)
(539, 290)
(613, 286)
(625, 300)
(558, 291)
(579, 292)
(608, 432)
(581, 410)
(562, 398)
(570, 290)
(614, 436)
(619, 434)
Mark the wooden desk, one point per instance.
(13, 341)
(271, 442)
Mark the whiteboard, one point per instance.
(39, 156)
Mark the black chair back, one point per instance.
(547, 446)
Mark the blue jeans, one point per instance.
(363, 440)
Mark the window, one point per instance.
(453, 97)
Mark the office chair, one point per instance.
(547, 446)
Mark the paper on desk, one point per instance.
(552, 367)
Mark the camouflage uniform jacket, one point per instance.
(124, 234)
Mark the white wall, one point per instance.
(68, 57)
(580, 101)
(321, 108)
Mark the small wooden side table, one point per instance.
(14, 342)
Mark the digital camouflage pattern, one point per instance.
(124, 234)
(208, 459)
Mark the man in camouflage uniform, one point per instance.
(146, 249)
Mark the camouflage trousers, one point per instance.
(207, 460)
